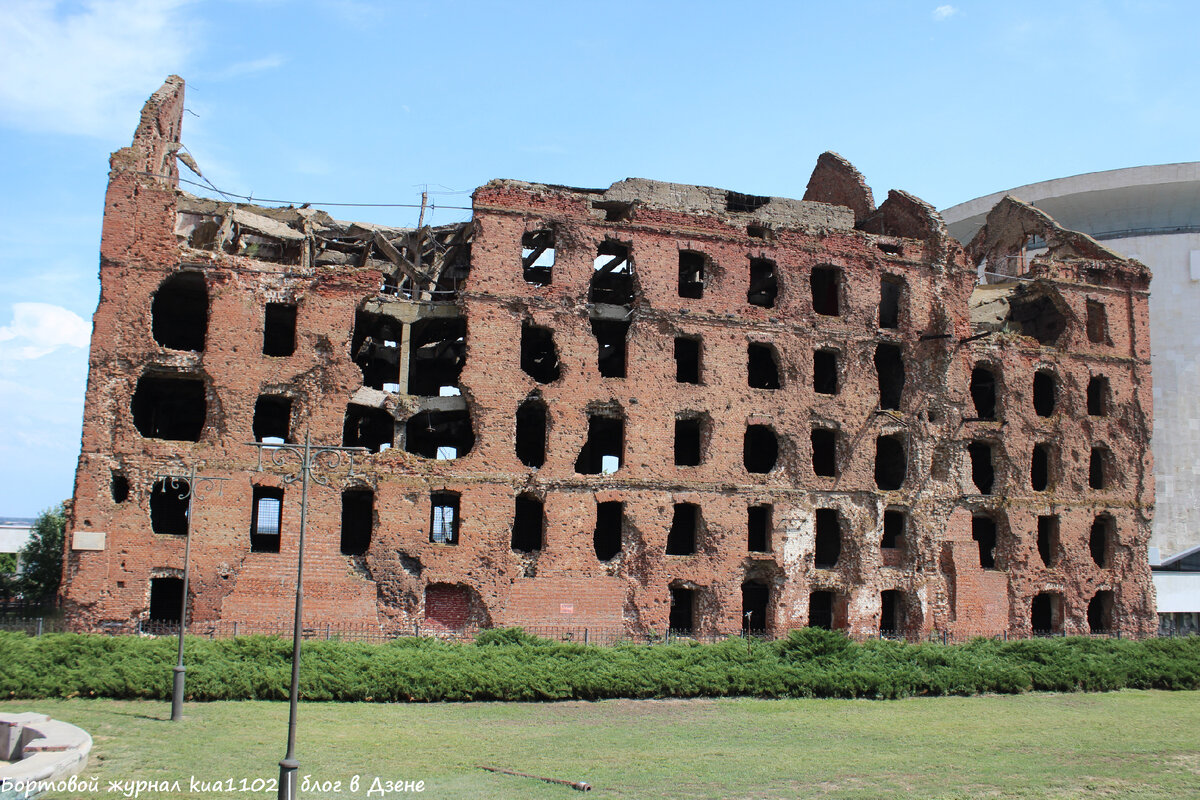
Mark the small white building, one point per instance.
(14, 535)
(1177, 582)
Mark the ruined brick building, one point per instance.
(626, 409)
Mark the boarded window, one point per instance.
(358, 520)
(265, 519)
(685, 521)
(447, 606)
(279, 329)
(444, 517)
(762, 369)
(169, 506)
(179, 312)
(529, 522)
(758, 523)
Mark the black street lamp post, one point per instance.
(188, 487)
(309, 460)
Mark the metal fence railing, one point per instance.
(370, 632)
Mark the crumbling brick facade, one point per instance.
(651, 406)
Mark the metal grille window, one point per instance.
(265, 519)
(443, 527)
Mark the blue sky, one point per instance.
(369, 102)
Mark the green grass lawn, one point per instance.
(1130, 744)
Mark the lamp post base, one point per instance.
(177, 694)
(287, 778)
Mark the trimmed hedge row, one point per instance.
(512, 665)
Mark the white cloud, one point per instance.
(40, 328)
(944, 12)
(75, 68)
(250, 67)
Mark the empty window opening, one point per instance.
(681, 540)
(683, 610)
(166, 599)
(820, 610)
(760, 449)
(1097, 397)
(1036, 316)
(265, 518)
(758, 231)
(756, 597)
(758, 524)
(375, 347)
(372, 428)
(762, 366)
(826, 283)
(889, 366)
(169, 507)
(179, 312)
(824, 452)
(691, 274)
(1097, 322)
(890, 292)
(442, 435)
(169, 407)
(358, 520)
(687, 360)
(891, 463)
(1047, 539)
(1045, 393)
(688, 432)
(764, 286)
(437, 352)
(829, 538)
(745, 203)
(983, 392)
(539, 356)
(272, 419)
(279, 330)
(1045, 615)
(825, 371)
(1098, 468)
(537, 257)
(894, 523)
(1100, 540)
(891, 612)
(890, 249)
(1039, 468)
(531, 433)
(444, 517)
(610, 520)
(612, 276)
(605, 446)
(983, 531)
(1100, 612)
(983, 471)
(120, 487)
(610, 338)
(529, 522)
